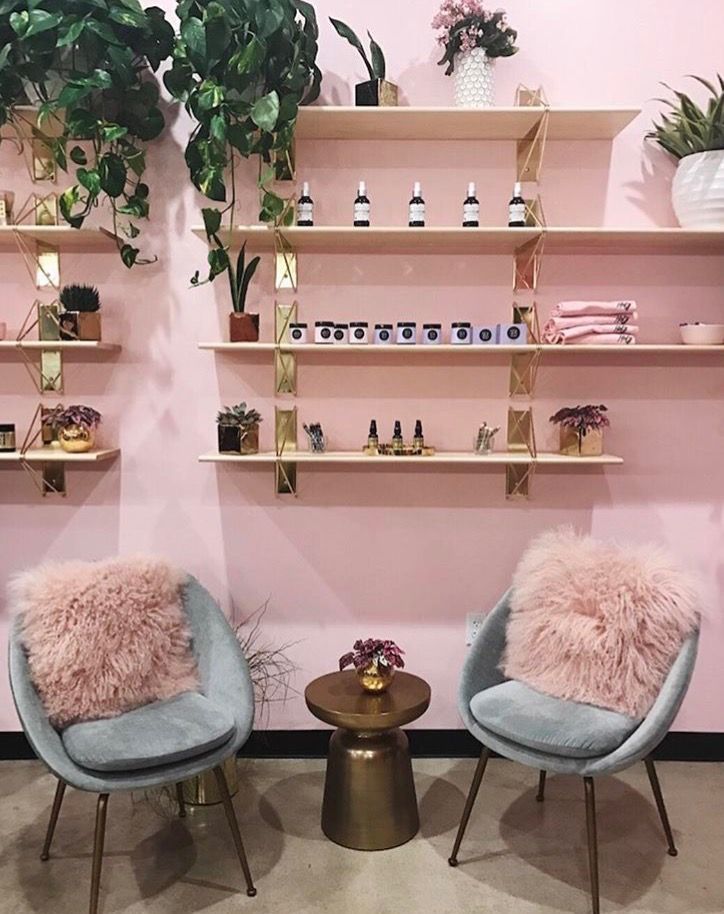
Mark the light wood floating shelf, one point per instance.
(372, 350)
(57, 455)
(442, 458)
(514, 123)
(59, 236)
(486, 240)
(80, 346)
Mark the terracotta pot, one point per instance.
(243, 327)
(76, 439)
(376, 678)
(589, 445)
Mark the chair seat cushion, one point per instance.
(160, 733)
(531, 719)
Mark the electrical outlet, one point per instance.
(473, 624)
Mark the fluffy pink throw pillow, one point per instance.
(104, 637)
(597, 623)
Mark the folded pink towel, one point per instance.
(562, 323)
(577, 308)
(574, 334)
(601, 339)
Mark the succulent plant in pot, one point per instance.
(695, 137)
(238, 430)
(80, 318)
(74, 426)
(376, 91)
(581, 429)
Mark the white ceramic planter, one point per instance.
(698, 190)
(474, 77)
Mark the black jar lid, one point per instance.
(383, 326)
(407, 324)
(324, 323)
(341, 326)
(461, 324)
(359, 324)
(7, 427)
(296, 324)
(432, 326)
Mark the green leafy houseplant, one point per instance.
(375, 63)
(80, 318)
(85, 63)
(689, 129)
(80, 298)
(244, 327)
(242, 69)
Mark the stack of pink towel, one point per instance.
(599, 322)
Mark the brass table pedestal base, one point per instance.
(369, 794)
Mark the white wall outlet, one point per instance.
(473, 624)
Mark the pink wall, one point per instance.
(402, 555)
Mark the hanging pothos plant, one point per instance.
(84, 64)
(242, 68)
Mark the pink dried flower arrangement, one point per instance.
(373, 650)
(466, 24)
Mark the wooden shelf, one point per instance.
(486, 240)
(442, 458)
(57, 455)
(514, 123)
(78, 346)
(371, 350)
(60, 236)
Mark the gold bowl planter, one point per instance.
(76, 439)
(588, 445)
(376, 677)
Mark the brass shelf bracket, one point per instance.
(520, 438)
(50, 478)
(285, 431)
(285, 362)
(47, 373)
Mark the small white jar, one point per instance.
(513, 334)
(406, 333)
(359, 333)
(461, 333)
(341, 333)
(298, 333)
(383, 334)
(323, 331)
(486, 334)
(431, 334)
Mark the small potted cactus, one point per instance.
(238, 430)
(74, 426)
(80, 318)
(581, 430)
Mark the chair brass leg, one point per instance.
(234, 826)
(592, 843)
(540, 796)
(469, 803)
(54, 813)
(98, 842)
(659, 797)
(180, 800)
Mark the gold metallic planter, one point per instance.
(76, 439)
(375, 678)
(589, 445)
(203, 789)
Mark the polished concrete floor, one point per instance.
(519, 856)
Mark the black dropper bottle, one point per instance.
(362, 207)
(305, 207)
(471, 208)
(372, 438)
(516, 208)
(418, 442)
(397, 441)
(417, 207)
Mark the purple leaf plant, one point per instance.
(63, 416)
(372, 650)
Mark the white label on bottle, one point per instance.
(417, 212)
(471, 212)
(362, 212)
(516, 212)
(305, 212)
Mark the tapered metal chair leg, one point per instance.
(180, 800)
(98, 842)
(469, 803)
(659, 797)
(540, 796)
(54, 813)
(592, 843)
(234, 826)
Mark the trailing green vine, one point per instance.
(84, 64)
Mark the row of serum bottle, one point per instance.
(416, 213)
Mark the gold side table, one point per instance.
(369, 794)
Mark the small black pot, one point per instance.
(229, 439)
(377, 93)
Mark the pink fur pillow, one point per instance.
(597, 623)
(104, 637)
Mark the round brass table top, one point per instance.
(338, 699)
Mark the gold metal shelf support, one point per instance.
(50, 478)
(285, 429)
(285, 361)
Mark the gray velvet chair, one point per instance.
(566, 737)
(162, 743)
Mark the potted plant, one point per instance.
(695, 137)
(376, 91)
(581, 430)
(80, 318)
(243, 327)
(86, 66)
(238, 429)
(242, 70)
(473, 38)
(375, 662)
(74, 426)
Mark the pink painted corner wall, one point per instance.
(402, 555)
